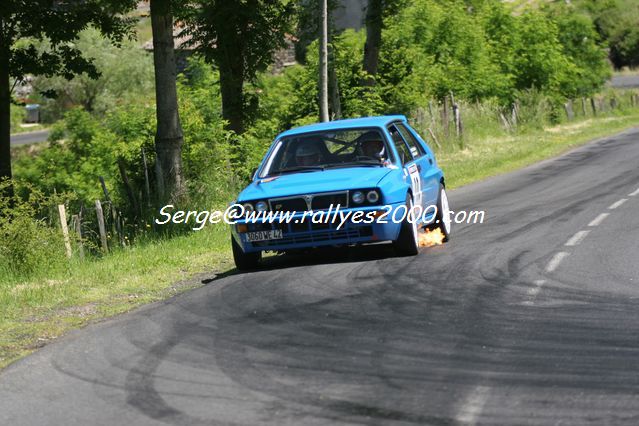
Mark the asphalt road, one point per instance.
(29, 137)
(625, 81)
(529, 318)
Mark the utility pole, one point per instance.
(323, 77)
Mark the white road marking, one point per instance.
(556, 260)
(577, 238)
(617, 204)
(632, 194)
(534, 291)
(599, 219)
(472, 406)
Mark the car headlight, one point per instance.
(372, 197)
(358, 197)
(248, 207)
(261, 206)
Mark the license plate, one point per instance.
(274, 234)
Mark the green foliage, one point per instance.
(59, 25)
(239, 38)
(27, 243)
(617, 22)
(18, 113)
(580, 44)
(85, 147)
(125, 75)
(222, 29)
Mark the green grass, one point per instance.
(37, 310)
(27, 129)
(490, 156)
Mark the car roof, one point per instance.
(350, 123)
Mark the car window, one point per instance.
(415, 147)
(402, 149)
(363, 147)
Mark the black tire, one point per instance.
(407, 243)
(442, 211)
(245, 261)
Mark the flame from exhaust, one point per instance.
(430, 238)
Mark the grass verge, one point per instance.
(39, 310)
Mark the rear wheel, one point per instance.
(408, 241)
(442, 218)
(245, 261)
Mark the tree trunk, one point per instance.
(169, 138)
(323, 62)
(335, 103)
(373, 39)
(232, 90)
(5, 114)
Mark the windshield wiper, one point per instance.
(299, 169)
(364, 163)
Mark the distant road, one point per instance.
(29, 137)
(625, 81)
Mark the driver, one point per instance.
(308, 154)
(373, 146)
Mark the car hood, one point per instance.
(312, 182)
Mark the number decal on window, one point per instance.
(415, 184)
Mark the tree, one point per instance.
(168, 138)
(239, 36)
(374, 21)
(579, 39)
(25, 26)
(126, 75)
(323, 61)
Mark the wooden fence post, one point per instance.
(504, 121)
(65, 229)
(459, 127)
(445, 119)
(100, 215)
(570, 114)
(593, 104)
(583, 106)
(114, 214)
(147, 187)
(430, 111)
(77, 224)
(129, 189)
(432, 134)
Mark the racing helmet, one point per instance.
(372, 145)
(307, 154)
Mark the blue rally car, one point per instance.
(378, 166)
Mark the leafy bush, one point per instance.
(27, 243)
(18, 114)
(126, 76)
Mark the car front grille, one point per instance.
(292, 204)
(324, 201)
(321, 201)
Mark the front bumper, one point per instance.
(297, 234)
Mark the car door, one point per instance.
(428, 173)
(411, 163)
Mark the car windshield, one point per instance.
(326, 150)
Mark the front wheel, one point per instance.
(442, 218)
(245, 261)
(407, 243)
